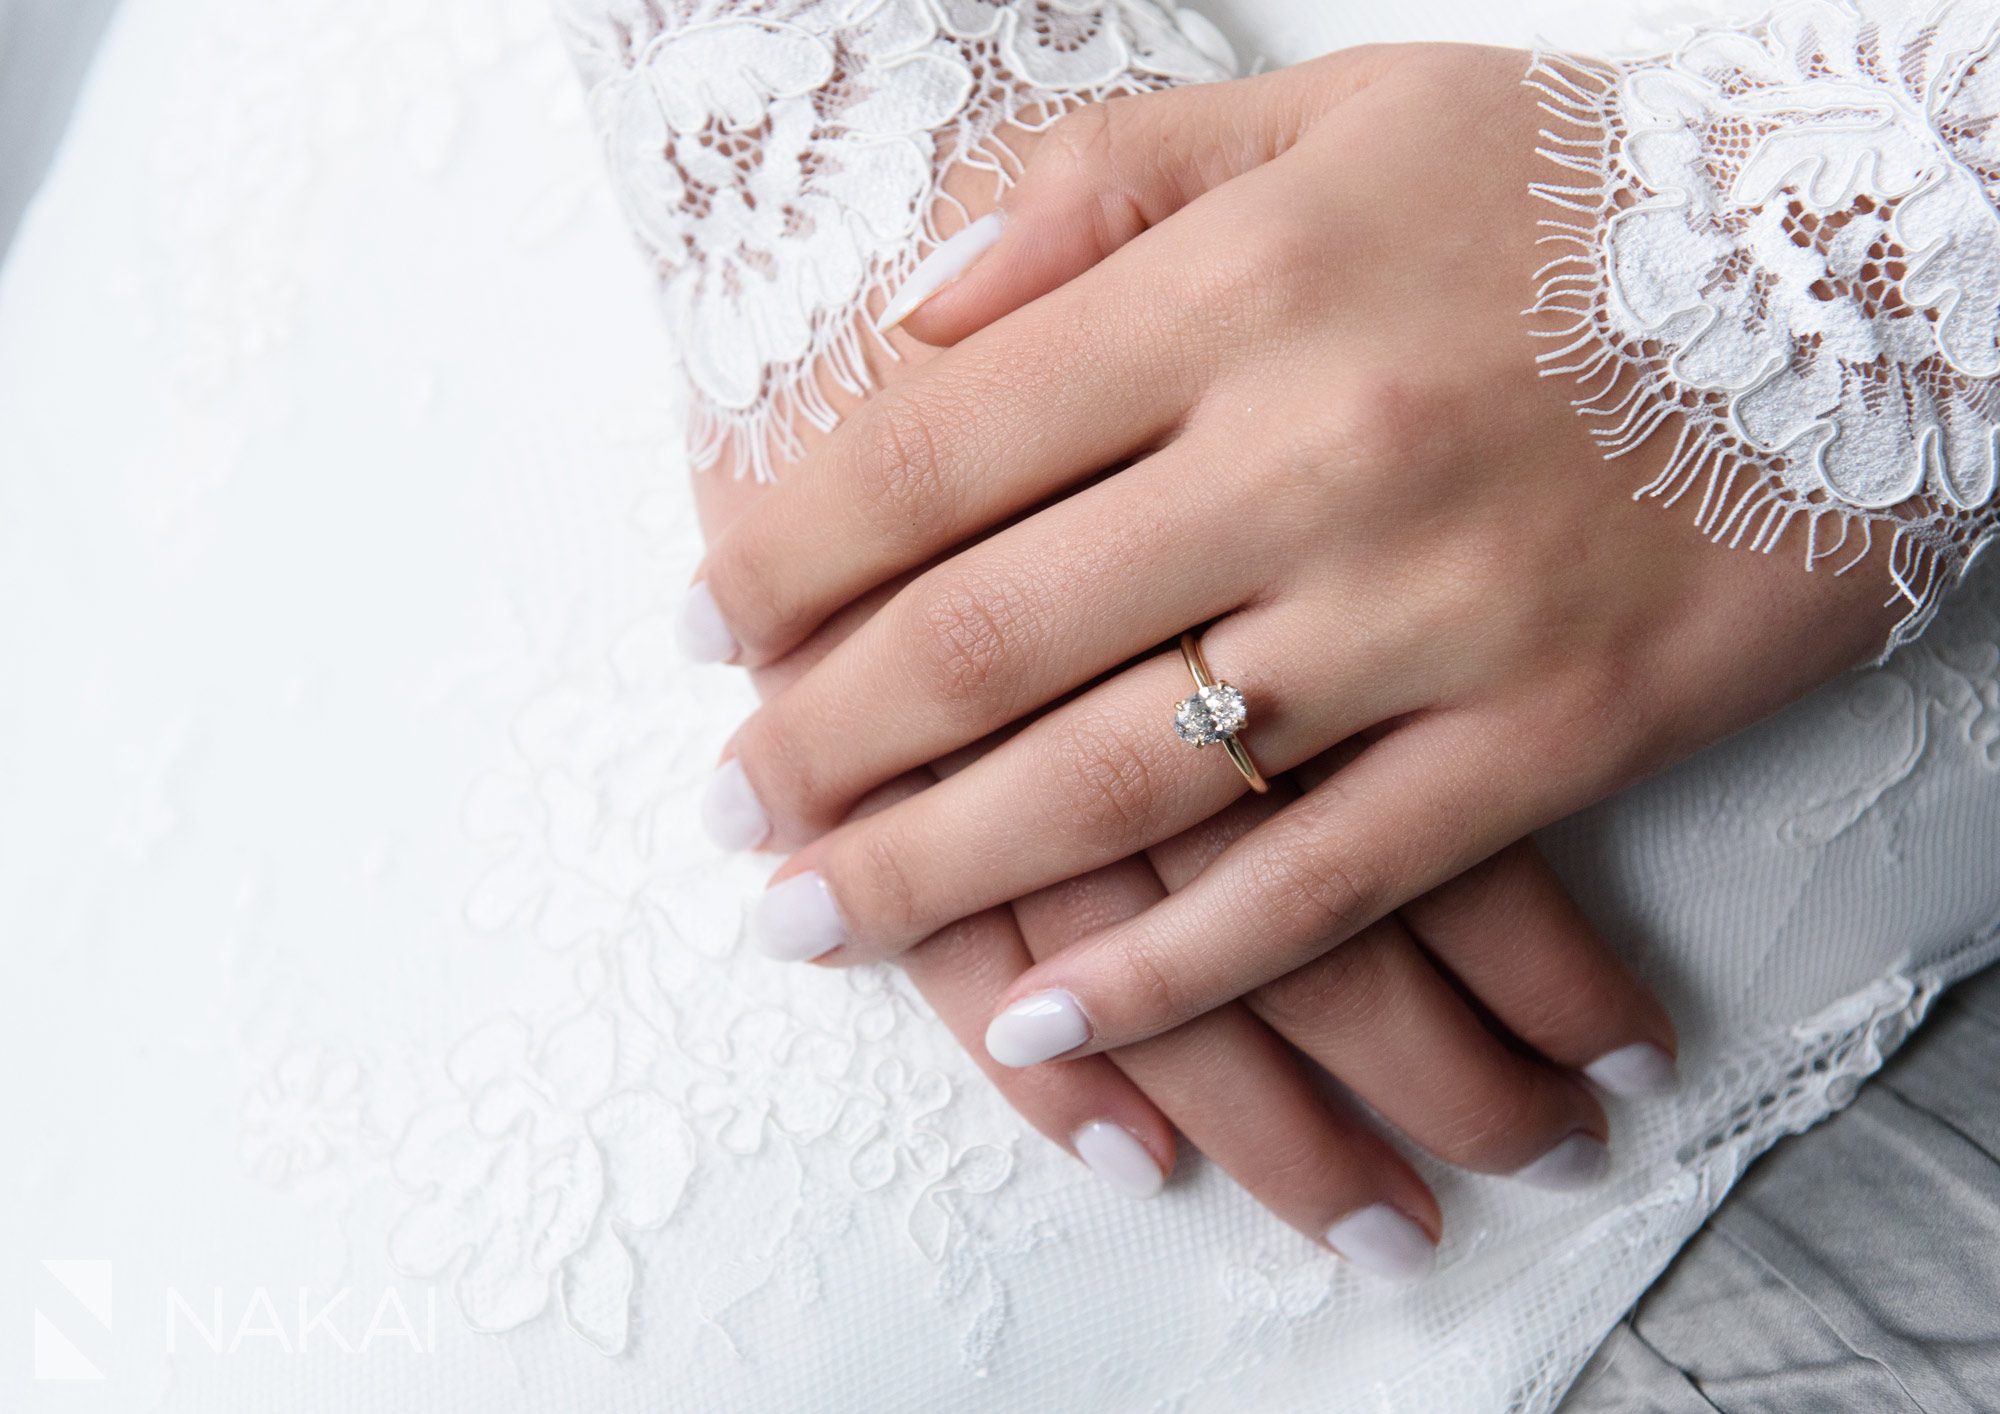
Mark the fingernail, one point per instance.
(1036, 1029)
(938, 269)
(1635, 1072)
(1578, 1162)
(1381, 1241)
(705, 638)
(730, 810)
(796, 921)
(1115, 1155)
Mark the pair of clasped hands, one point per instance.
(1249, 359)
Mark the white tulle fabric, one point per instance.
(361, 934)
(1787, 243)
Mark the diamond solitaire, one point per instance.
(1214, 714)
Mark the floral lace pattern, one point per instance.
(780, 160)
(457, 996)
(1788, 243)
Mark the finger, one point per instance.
(1509, 931)
(1384, 1022)
(977, 435)
(1097, 1113)
(1001, 630)
(1377, 1014)
(1243, 1099)
(1093, 1110)
(1096, 779)
(1419, 806)
(731, 812)
(1103, 174)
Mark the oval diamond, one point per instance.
(1215, 713)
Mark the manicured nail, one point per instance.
(1116, 1156)
(796, 921)
(1036, 1029)
(938, 269)
(1577, 1163)
(730, 810)
(1381, 1241)
(705, 638)
(1635, 1072)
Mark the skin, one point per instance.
(1338, 454)
(851, 572)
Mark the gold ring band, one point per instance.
(1213, 696)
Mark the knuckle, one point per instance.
(880, 890)
(1292, 1166)
(969, 625)
(1078, 146)
(1153, 989)
(1562, 1006)
(1112, 782)
(752, 603)
(1389, 418)
(1602, 709)
(1314, 889)
(899, 473)
(1483, 1125)
(1257, 275)
(787, 780)
(1336, 994)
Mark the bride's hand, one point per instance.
(1478, 1068)
(1496, 1093)
(1306, 339)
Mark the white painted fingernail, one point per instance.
(1036, 1029)
(1115, 1155)
(796, 921)
(1381, 1241)
(1635, 1072)
(938, 269)
(705, 638)
(730, 810)
(1577, 1163)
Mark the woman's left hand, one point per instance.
(1290, 309)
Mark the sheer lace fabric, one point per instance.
(782, 160)
(389, 955)
(1786, 246)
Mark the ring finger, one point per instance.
(997, 632)
(1098, 778)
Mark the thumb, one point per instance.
(1103, 174)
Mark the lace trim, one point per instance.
(783, 160)
(1787, 242)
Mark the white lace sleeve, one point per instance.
(1785, 242)
(781, 160)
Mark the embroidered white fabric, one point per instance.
(781, 159)
(1787, 246)
(361, 935)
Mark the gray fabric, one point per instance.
(1856, 1268)
(45, 47)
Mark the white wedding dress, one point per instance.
(362, 939)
